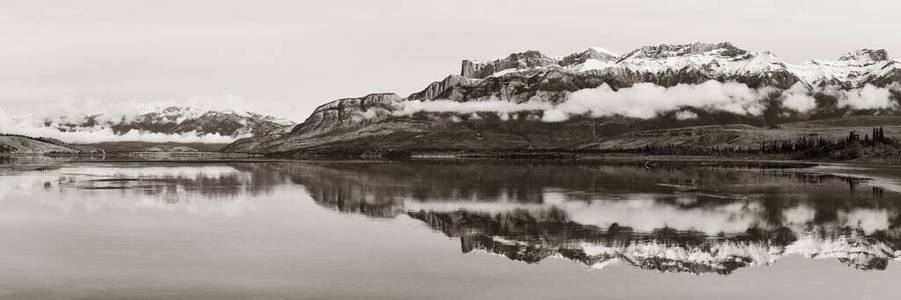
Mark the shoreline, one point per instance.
(888, 175)
(541, 156)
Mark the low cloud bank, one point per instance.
(647, 100)
(800, 98)
(99, 134)
(34, 124)
(868, 97)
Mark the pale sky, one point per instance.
(287, 57)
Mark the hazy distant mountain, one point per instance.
(178, 120)
(508, 103)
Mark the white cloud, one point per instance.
(686, 115)
(98, 135)
(554, 115)
(798, 98)
(643, 100)
(646, 100)
(868, 97)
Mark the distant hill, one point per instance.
(18, 144)
(114, 147)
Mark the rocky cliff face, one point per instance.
(522, 60)
(530, 79)
(698, 62)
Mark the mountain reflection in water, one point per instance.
(669, 217)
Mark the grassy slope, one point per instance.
(495, 137)
(749, 136)
(22, 144)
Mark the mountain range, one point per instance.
(175, 128)
(177, 120)
(532, 101)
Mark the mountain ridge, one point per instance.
(513, 102)
(700, 56)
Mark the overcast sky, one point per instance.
(287, 57)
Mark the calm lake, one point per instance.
(447, 230)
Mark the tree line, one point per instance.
(804, 147)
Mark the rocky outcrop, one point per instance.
(596, 54)
(866, 56)
(449, 88)
(347, 114)
(521, 60)
(342, 119)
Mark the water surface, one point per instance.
(446, 229)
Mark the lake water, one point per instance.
(446, 230)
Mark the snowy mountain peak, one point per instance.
(865, 56)
(598, 58)
(699, 61)
(592, 55)
(603, 51)
(172, 114)
(668, 50)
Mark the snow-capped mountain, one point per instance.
(522, 101)
(722, 61)
(178, 120)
